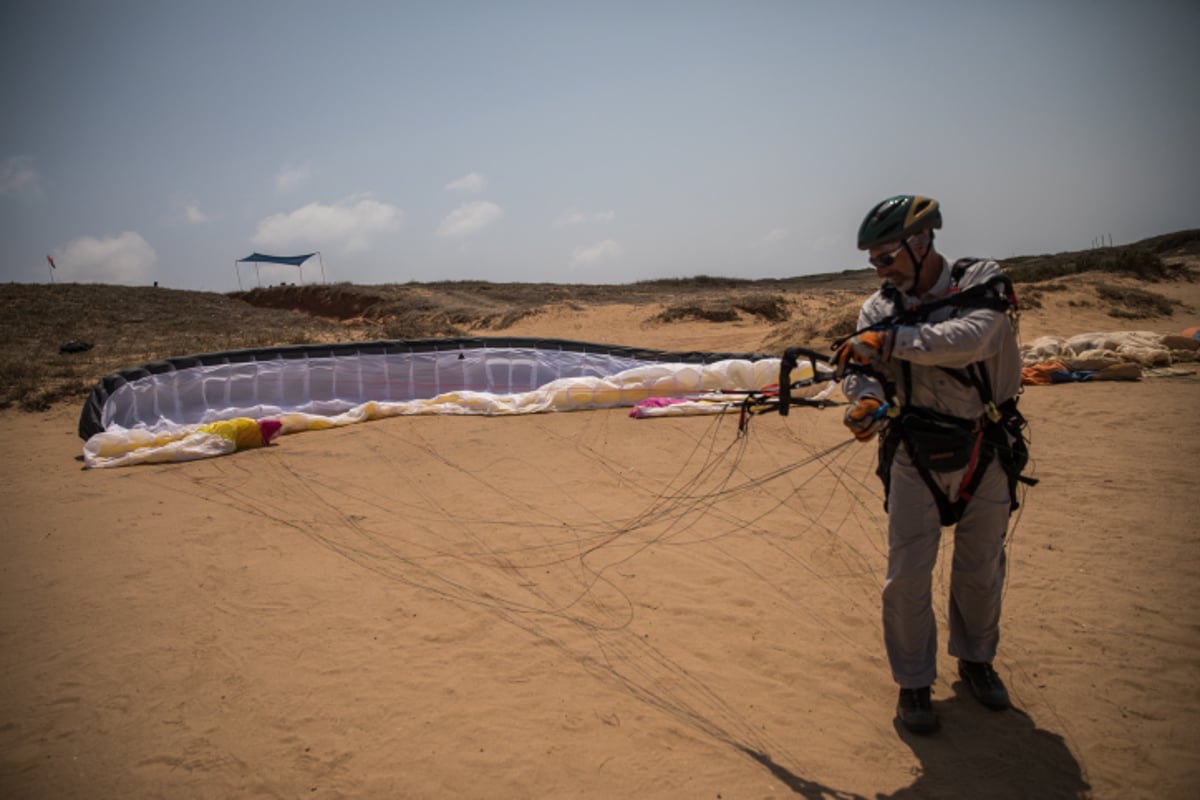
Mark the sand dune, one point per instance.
(587, 605)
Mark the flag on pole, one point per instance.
(52, 264)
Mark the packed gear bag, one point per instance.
(938, 442)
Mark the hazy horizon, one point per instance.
(577, 143)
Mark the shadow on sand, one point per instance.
(976, 753)
(980, 753)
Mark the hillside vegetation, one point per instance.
(57, 340)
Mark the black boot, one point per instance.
(985, 684)
(915, 710)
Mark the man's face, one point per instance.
(893, 263)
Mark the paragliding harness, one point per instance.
(939, 442)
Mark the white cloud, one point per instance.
(124, 258)
(348, 224)
(469, 218)
(185, 210)
(290, 177)
(572, 218)
(773, 237)
(471, 183)
(597, 253)
(19, 178)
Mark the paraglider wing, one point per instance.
(331, 379)
(319, 386)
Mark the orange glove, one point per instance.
(870, 349)
(865, 417)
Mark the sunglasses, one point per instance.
(884, 260)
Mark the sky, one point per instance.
(578, 142)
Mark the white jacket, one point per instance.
(951, 337)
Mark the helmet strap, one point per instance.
(918, 262)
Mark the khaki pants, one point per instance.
(976, 572)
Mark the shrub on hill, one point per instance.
(770, 307)
(1140, 262)
(1131, 303)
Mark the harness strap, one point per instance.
(969, 479)
(951, 511)
(991, 440)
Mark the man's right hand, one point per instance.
(865, 417)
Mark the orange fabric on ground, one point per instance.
(1039, 374)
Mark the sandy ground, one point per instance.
(587, 605)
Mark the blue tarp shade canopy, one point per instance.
(291, 261)
(295, 261)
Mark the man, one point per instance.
(936, 367)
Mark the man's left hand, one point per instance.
(864, 417)
(870, 349)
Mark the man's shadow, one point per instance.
(980, 753)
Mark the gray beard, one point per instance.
(903, 288)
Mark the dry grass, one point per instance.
(1125, 302)
(126, 326)
(769, 307)
(1147, 260)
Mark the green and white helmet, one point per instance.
(898, 218)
